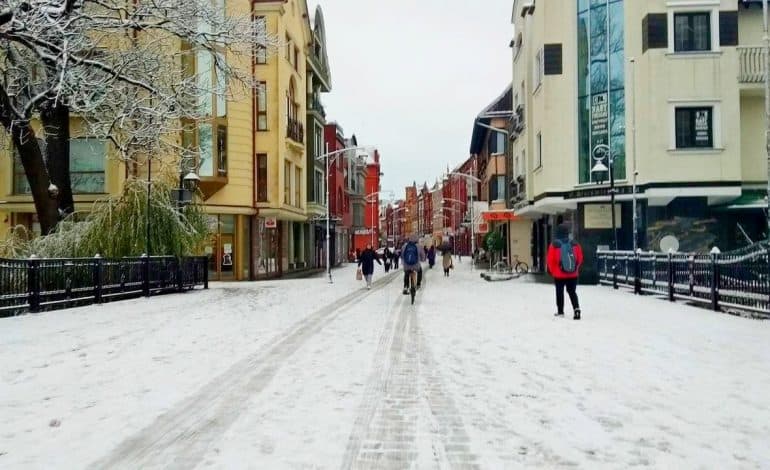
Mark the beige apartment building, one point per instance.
(667, 90)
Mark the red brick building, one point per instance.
(371, 205)
(339, 202)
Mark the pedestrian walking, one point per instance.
(387, 258)
(366, 262)
(431, 257)
(446, 261)
(564, 259)
(396, 258)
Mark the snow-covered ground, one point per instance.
(303, 374)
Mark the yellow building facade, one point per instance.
(253, 158)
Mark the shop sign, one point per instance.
(599, 216)
(483, 228)
(599, 118)
(271, 222)
(498, 216)
(363, 231)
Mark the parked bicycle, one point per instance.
(519, 267)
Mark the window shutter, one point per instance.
(553, 59)
(728, 28)
(654, 31)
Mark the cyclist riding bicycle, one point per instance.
(411, 256)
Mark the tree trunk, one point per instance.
(26, 144)
(56, 118)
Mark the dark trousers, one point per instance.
(571, 285)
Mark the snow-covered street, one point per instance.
(303, 374)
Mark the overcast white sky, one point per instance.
(409, 76)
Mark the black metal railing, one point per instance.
(737, 280)
(36, 284)
(295, 130)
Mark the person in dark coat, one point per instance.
(431, 256)
(366, 262)
(387, 258)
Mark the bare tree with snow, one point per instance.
(122, 70)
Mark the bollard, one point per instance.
(715, 278)
(671, 292)
(146, 275)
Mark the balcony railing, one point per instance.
(751, 64)
(295, 131)
(518, 189)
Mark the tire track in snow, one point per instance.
(180, 437)
(407, 418)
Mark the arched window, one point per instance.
(291, 101)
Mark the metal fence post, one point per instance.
(691, 266)
(715, 279)
(146, 275)
(97, 278)
(33, 284)
(637, 272)
(670, 276)
(615, 269)
(179, 271)
(204, 263)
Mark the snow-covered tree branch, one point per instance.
(136, 73)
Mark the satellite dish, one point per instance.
(669, 243)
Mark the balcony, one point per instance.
(518, 189)
(295, 131)
(315, 105)
(516, 123)
(751, 63)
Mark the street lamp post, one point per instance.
(600, 153)
(767, 103)
(329, 157)
(371, 198)
(474, 180)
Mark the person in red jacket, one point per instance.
(565, 257)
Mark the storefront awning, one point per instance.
(749, 200)
(499, 216)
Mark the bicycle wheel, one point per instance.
(522, 268)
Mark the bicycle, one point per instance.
(502, 266)
(412, 284)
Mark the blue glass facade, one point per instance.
(601, 84)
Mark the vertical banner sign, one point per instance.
(601, 85)
(600, 119)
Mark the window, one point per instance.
(522, 162)
(207, 136)
(287, 183)
(692, 32)
(298, 187)
(694, 128)
(260, 51)
(261, 177)
(500, 138)
(537, 70)
(222, 150)
(319, 189)
(497, 188)
(539, 150)
(87, 158)
(289, 49)
(262, 106)
(296, 58)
